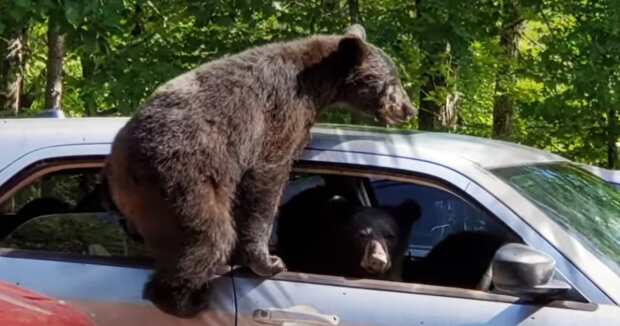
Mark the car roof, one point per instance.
(484, 152)
(20, 136)
(612, 176)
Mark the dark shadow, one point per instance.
(514, 314)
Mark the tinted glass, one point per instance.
(443, 213)
(62, 212)
(581, 202)
(93, 234)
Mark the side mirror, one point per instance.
(520, 270)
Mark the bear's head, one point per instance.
(371, 84)
(373, 237)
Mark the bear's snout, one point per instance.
(376, 259)
(408, 110)
(399, 109)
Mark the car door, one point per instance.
(309, 299)
(55, 240)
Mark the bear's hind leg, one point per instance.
(186, 264)
(258, 196)
(175, 297)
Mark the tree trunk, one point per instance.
(612, 139)
(439, 99)
(56, 55)
(86, 94)
(503, 104)
(354, 11)
(12, 65)
(428, 116)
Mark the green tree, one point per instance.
(472, 67)
(512, 26)
(578, 68)
(13, 45)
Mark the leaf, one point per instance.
(23, 3)
(72, 14)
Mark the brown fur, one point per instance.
(199, 170)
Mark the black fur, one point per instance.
(319, 231)
(459, 260)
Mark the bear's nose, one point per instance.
(375, 258)
(378, 261)
(408, 110)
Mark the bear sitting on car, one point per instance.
(199, 170)
(325, 230)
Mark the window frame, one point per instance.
(413, 288)
(32, 172)
(127, 261)
(535, 228)
(37, 169)
(240, 273)
(400, 176)
(41, 167)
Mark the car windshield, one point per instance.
(581, 202)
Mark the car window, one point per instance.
(61, 212)
(298, 182)
(582, 203)
(73, 187)
(93, 234)
(443, 213)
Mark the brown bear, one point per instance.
(199, 170)
(355, 241)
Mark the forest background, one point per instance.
(544, 73)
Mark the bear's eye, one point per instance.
(389, 236)
(363, 235)
(391, 94)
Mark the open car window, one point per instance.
(61, 212)
(442, 211)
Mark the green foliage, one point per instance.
(74, 234)
(566, 72)
(67, 232)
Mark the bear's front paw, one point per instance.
(268, 267)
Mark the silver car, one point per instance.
(55, 240)
(611, 176)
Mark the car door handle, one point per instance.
(275, 316)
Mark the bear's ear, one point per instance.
(407, 213)
(338, 202)
(356, 30)
(339, 206)
(352, 47)
(352, 51)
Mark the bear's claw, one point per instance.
(271, 266)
